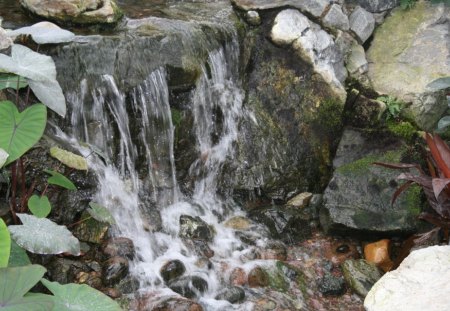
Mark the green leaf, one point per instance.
(3, 156)
(40, 72)
(18, 256)
(60, 180)
(44, 33)
(15, 282)
(5, 244)
(20, 131)
(100, 213)
(79, 297)
(69, 159)
(43, 236)
(39, 206)
(8, 80)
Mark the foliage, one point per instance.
(100, 213)
(5, 244)
(407, 4)
(69, 159)
(18, 256)
(43, 236)
(60, 180)
(39, 206)
(20, 131)
(393, 106)
(12, 81)
(402, 129)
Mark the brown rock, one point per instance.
(378, 253)
(238, 277)
(258, 277)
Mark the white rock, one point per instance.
(335, 18)
(362, 23)
(288, 26)
(420, 283)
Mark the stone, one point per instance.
(190, 286)
(356, 62)
(358, 197)
(378, 254)
(419, 283)
(258, 277)
(93, 279)
(199, 247)
(119, 246)
(274, 250)
(91, 230)
(164, 304)
(313, 7)
(377, 6)
(171, 270)
(194, 228)
(360, 275)
(238, 223)
(233, 294)
(336, 19)
(362, 23)
(238, 277)
(409, 51)
(366, 113)
(301, 200)
(112, 292)
(5, 40)
(75, 11)
(115, 269)
(331, 285)
(314, 45)
(253, 18)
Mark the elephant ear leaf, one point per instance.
(19, 131)
(44, 33)
(5, 244)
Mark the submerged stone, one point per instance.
(194, 228)
(232, 294)
(171, 270)
(115, 269)
(189, 286)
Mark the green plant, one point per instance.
(393, 106)
(407, 4)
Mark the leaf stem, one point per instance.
(13, 191)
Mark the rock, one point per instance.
(171, 270)
(378, 254)
(336, 19)
(314, 7)
(199, 247)
(362, 23)
(120, 246)
(112, 292)
(331, 285)
(419, 283)
(75, 11)
(194, 228)
(313, 44)
(301, 200)
(253, 18)
(93, 279)
(64, 270)
(91, 230)
(358, 197)
(238, 223)
(407, 53)
(258, 277)
(238, 277)
(274, 250)
(189, 286)
(115, 269)
(356, 62)
(232, 294)
(5, 41)
(377, 6)
(360, 275)
(164, 304)
(366, 113)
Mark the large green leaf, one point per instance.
(60, 180)
(100, 213)
(72, 297)
(18, 256)
(8, 80)
(16, 282)
(69, 159)
(43, 236)
(5, 244)
(39, 206)
(44, 32)
(20, 131)
(3, 157)
(40, 72)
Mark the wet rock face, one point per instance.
(360, 275)
(75, 11)
(189, 286)
(172, 270)
(115, 269)
(194, 228)
(232, 294)
(121, 246)
(258, 277)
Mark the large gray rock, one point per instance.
(75, 11)
(362, 23)
(410, 50)
(314, 7)
(358, 197)
(376, 6)
(312, 44)
(335, 18)
(419, 283)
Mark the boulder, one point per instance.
(409, 51)
(419, 283)
(362, 23)
(377, 6)
(313, 44)
(75, 11)
(360, 275)
(313, 7)
(336, 19)
(358, 197)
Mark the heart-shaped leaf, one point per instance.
(100, 213)
(20, 131)
(69, 159)
(43, 236)
(50, 94)
(44, 32)
(5, 244)
(18, 256)
(79, 297)
(8, 80)
(39, 206)
(3, 156)
(16, 282)
(60, 180)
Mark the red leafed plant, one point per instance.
(435, 184)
